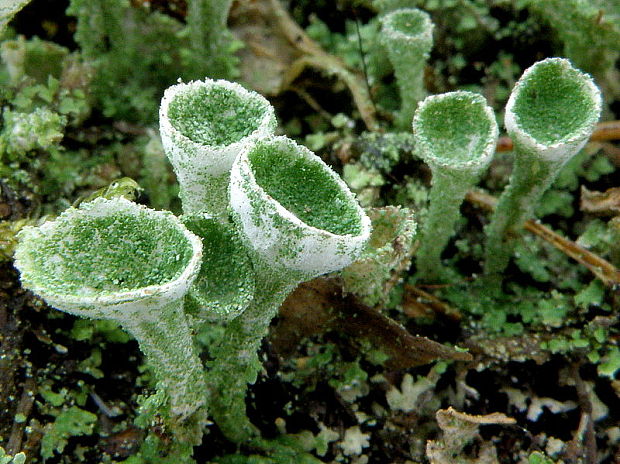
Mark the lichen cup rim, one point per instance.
(242, 178)
(426, 148)
(579, 137)
(101, 207)
(426, 31)
(168, 130)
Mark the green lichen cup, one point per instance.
(204, 125)
(298, 220)
(407, 35)
(113, 259)
(297, 215)
(226, 283)
(455, 134)
(550, 116)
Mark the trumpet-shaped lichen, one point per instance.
(204, 125)
(285, 250)
(455, 134)
(113, 259)
(550, 116)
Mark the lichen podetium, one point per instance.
(298, 220)
(204, 125)
(455, 134)
(407, 34)
(550, 115)
(113, 259)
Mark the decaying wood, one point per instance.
(319, 306)
(600, 267)
(24, 409)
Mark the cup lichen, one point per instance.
(298, 220)
(550, 115)
(455, 134)
(408, 38)
(113, 259)
(204, 125)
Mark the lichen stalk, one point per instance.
(175, 364)
(444, 211)
(455, 133)
(237, 353)
(408, 37)
(529, 181)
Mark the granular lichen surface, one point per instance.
(215, 116)
(542, 106)
(306, 189)
(115, 253)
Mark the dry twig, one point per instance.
(315, 57)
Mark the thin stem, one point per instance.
(409, 74)
(236, 362)
(530, 178)
(167, 345)
(447, 194)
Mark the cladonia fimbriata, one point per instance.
(204, 125)
(298, 220)
(550, 115)
(114, 259)
(455, 133)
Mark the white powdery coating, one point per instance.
(213, 159)
(279, 236)
(121, 305)
(423, 40)
(478, 161)
(561, 151)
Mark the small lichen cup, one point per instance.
(407, 34)
(204, 125)
(455, 134)
(226, 284)
(113, 259)
(550, 115)
(298, 220)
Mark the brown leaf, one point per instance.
(319, 306)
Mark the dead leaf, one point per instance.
(459, 429)
(319, 306)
